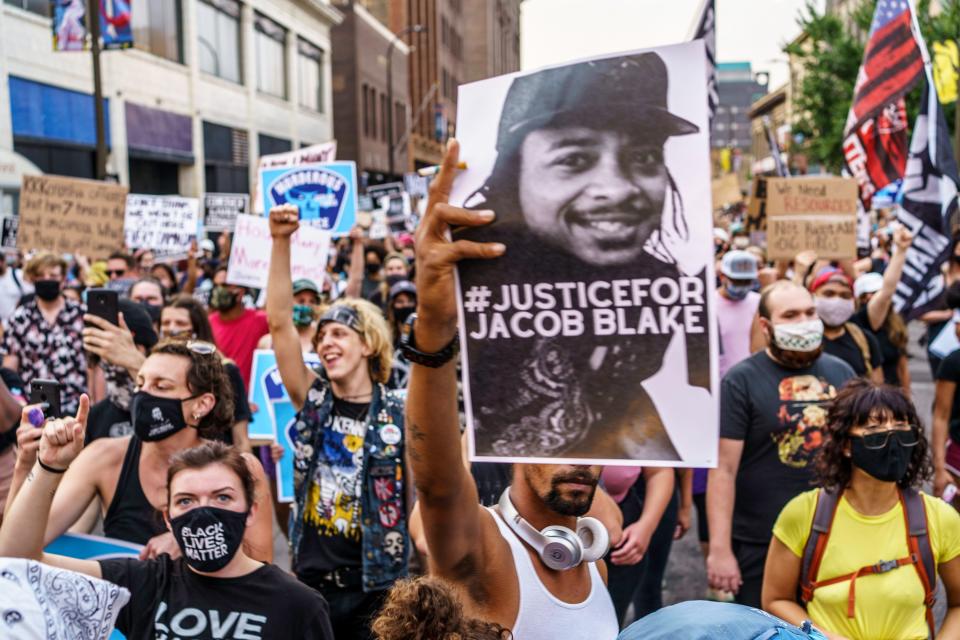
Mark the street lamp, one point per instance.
(415, 28)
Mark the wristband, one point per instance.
(433, 360)
(49, 468)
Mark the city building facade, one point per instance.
(208, 87)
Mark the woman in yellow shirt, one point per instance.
(875, 450)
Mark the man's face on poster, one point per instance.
(597, 193)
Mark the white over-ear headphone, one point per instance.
(559, 548)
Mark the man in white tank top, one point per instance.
(490, 556)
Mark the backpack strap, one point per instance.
(858, 337)
(918, 544)
(827, 502)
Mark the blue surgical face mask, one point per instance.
(738, 291)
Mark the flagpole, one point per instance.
(928, 73)
(93, 17)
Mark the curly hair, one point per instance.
(428, 607)
(858, 403)
(205, 375)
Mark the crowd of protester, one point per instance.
(815, 513)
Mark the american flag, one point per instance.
(705, 28)
(875, 135)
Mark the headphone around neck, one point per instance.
(559, 547)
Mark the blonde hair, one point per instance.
(45, 260)
(375, 334)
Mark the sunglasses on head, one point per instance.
(201, 347)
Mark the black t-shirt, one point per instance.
(847, 349)
(949, 371)
(779, 414)
(107, 420)
(241, 408)
(168, 600)
(889, 353)
(17, 388)
(331, 513)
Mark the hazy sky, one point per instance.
(554, 31)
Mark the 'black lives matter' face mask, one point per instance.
(209, 537)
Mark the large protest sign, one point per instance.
(165, 224)
(323, 152)
(811, 213)
(325, 194)
(274, 420)
(250, 254)
(398, 212)
(70, 215)
(220, 210)
(592, 340)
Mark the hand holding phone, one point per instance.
(46, 391)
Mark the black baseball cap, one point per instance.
(620, 92)
(138, 321)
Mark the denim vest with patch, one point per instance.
(383, 512)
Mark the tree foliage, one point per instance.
(830, 56)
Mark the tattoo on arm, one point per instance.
(416, 436)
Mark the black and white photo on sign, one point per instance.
(220, 210)
(592, 340)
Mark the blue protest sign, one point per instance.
(325, 193)
(276, 415)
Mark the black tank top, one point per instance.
(130, 516)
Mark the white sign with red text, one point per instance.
(250, 256)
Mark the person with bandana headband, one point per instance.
(833, 295)
(348, 524)
(211, 503)
(182, 399)
(772, 416)
(237, 330)
(42, 339)
(869, 583)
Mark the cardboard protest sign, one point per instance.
(726, 191)
(274, 421)
(250, 254)
(811, 213)
(8, 239)
(576, 340)
(70, 215)
(756, 219)
(220, 210)
(165, 224)
(323, 152)
(325, 194)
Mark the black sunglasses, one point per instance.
(116, 272)
(907, 438)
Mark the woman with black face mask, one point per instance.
(182, 398)
(213, 589)
(401, 303)
(864, 551)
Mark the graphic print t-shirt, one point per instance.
(331, 513)
(170, 601)
(779, 414)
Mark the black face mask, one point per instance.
(373, 268)
(394, 279)
(402, 313)
(47, 289)
(156, 418)
(889, 464)
(209, 537)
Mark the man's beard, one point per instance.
(557, 503)
(794, 359)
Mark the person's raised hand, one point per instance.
(805, 260)
(160, 544)
(284, 220)
(28, 435)
(437, 255)
(113, 343)
(902, 237)
(62, 439)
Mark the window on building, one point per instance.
(41, 7)
(372, 103)
(218, 38)
(399, 121)
(366, 111)
(444, 31)
(310, 70)
(156, 27)
(227, 157)
(720, 126)
(734, 110)
(271, 40)
(384, 114)
(734, 126)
